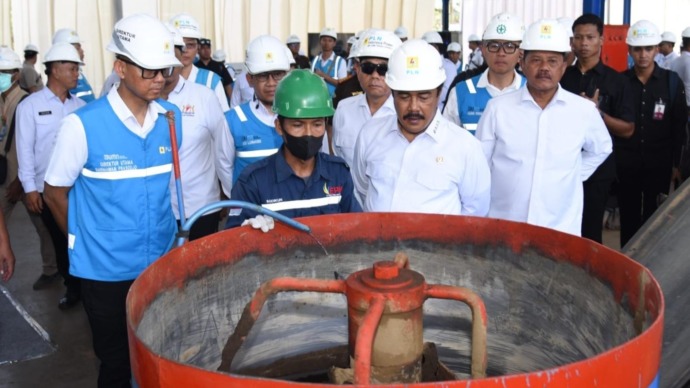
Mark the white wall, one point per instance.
(231, 24)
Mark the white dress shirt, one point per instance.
(205, 147)
(441, 171)
(350, 116)
(71, 150)
(451, 70)
(451, 111)
(241, 90)
(476, 59)
(539, 158)
(665, 60)
(219, 90)
(37, 121)
(681, 65)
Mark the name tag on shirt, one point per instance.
(45, 113)
(659, 109)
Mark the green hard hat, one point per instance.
(302, 95)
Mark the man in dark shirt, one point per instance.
(301, 62)
(205, 62)
(609, 90)
(648, 161)
(298, 180)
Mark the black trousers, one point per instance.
(204, 226)
(61, 255)
(641, 182)
(104, 303)
(596, 194)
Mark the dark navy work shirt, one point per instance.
(272, 184)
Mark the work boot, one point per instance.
(44, 281)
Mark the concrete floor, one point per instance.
(73, 364)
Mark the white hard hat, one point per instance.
(377, 43)
(668, 36)
(432, 37)
(474, 38)
(546, 35)
(685, 33)
(67, 35)
(643, 33)
(351, 40)
(145, 40)
(328, 32)
(401, 32)
(62, 51)
(454, 47)
(415, 65)
(266, 53)
(567, 22)
(293, 39)
(504, 26)
(290, 57)
(176, 34)
(9, 60)
(31, 47)
(188, 26)
(218, 55)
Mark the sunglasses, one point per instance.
(166, 72)
(369, 68)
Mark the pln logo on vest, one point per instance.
(164, 149)
(187, 110)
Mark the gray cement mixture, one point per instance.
(541, 313)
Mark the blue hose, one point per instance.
(187, 225)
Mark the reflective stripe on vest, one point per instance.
(470, 86)
(84, 93)
(127, 174)
(470, 127)
(240, 114)
(256, 153)
(209, 80)
(303, 203)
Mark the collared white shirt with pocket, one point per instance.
(540, 157)
(441, 171)
(350, 116)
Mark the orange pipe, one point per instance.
(479, 321)
(365, 339)
(277, 285)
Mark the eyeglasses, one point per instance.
(369, 68)
(508, 47)
(191, 46)
(166, 72)
(276, 75)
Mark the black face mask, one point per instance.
(303, 147)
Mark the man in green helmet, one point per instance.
(298, 180)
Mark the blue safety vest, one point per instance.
(327, 67)
(119, 214)
(83, 89)
(254, 140)
(207, 78)
(472, 101)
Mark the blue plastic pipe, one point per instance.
(186, 226)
